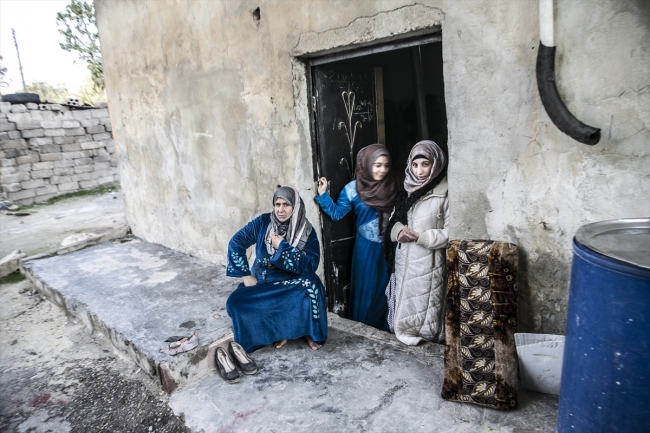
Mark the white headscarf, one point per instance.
(431, 151)
(295, 229)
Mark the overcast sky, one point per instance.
(38, 42)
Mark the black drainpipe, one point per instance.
(555, 108)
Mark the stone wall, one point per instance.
(48, 150)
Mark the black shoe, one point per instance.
(241, 358)
(226, 367)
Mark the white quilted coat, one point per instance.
(420, 270)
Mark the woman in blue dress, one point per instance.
(281, 298)
(371, 196)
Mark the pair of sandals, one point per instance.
(229, 362)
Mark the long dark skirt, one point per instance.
(282, 310)
(368, 303)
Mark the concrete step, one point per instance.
(360, 380)
(138, 294)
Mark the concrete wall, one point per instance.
(47, 150)
(209, 114)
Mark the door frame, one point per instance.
(309, 64)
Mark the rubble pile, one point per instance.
(48, 150)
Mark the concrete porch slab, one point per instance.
(139, 294)
(353, 383)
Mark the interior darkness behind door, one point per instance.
(345, 105)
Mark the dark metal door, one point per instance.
(345, 102)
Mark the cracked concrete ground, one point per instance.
(55, 374)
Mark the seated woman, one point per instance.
(416, 293)
(281, 298)
(371, 196)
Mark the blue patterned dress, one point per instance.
(369, 278)
(288, 301)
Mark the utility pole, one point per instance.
(20, 65)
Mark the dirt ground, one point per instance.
(56, 375)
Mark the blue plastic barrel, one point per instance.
(606, 369)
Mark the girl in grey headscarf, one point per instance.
(416, 268)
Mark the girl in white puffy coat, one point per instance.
(419, 224)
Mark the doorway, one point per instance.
(391, 94)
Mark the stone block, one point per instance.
(56, 107)
(28, 159)
(40, 141)
(24, 167)
(47, 189)
(109, 127)
(11, 187)
(83, 138)
(50, 156)
(40, 174)
(67, 171)
(50, 148)
(4, 136)
(13, 144)
(55, 180)
(31, 133)
(97, 129)
(70, 124)
(63, 140)
(88, 184)
(18, 117)
(71, 186)
(64, 115)
(9, 263)
(75, 131)
(83, 161)
(102, 158)
(28, 124)
(84, 169)
(102, 112)
(26, 193)
(31, 106)
(103, 136)
(102, 165)
(6, 179)
(114, 163)
(81, 176)
(89, 122)
(8, 170)
(105, 180)
(7, 162)
(72, 155)
(51, 124)
(18, 108)
(45, 197)
(70, 147)
(105, 121)
(31, 184)
(81, 114)
(90, 153)
(14, 135)
(91, 145)
(15, 153)
(64, 163)
(5, 107)
(7, 126)
(57, 132)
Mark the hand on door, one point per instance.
(322, 185)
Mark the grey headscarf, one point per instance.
(295, 229)
(430, 151)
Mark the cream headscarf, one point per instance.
(431, 151)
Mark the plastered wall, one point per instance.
(208, 107)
